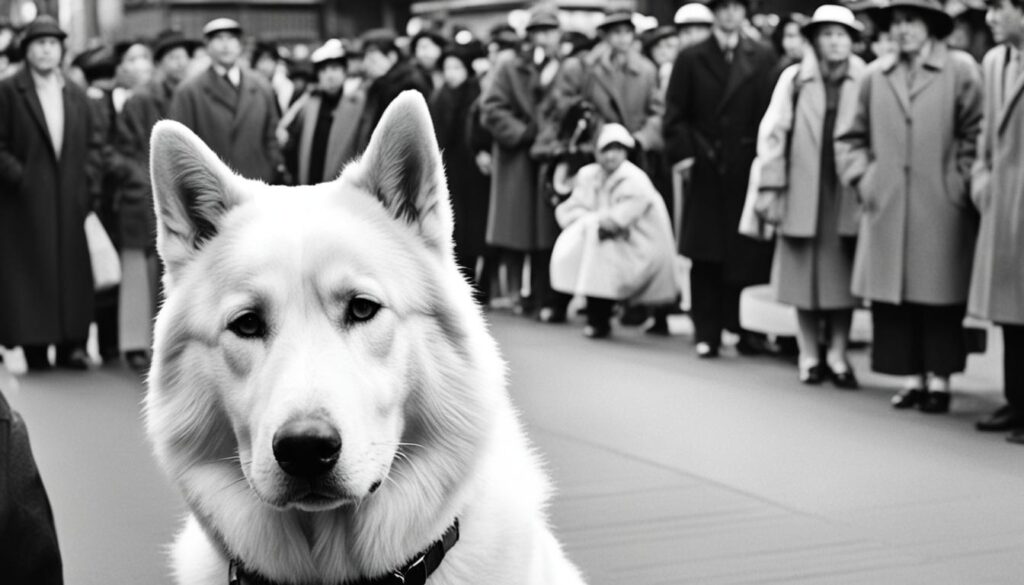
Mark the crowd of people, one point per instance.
(881, 160)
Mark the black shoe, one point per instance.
(844, 379)
(633, 316)
(77, 359)
(814, 375)
(36, 359)
(597, 331)
(1016, 437)
(706, 351)
(1005, 419)
(908, 398)
(659, 327)
(935, 403)
(551, 315)
(751, 344)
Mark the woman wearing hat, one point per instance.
(617, 243)
(45, 148)
(908, 151)
(801, 193)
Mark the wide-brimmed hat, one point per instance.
(169, 39)
(833, 14)
(614, 134)
(940, 24)
(616, 17)
(543, 18)
(694, 13)
(433, 33)
(98, 63)
(651, 37)
(713, 3)
(43, 26)
(383, 39)
(466, 53)
(222, 25)
(504, 36)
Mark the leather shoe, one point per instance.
(597, 331)
(1016, 437)
(813, 375)
(844, 378)
(935, 403)
(1006, 418)
(908, 398)
(77, 359)
(706, 351)
(750, 344)
(551, 315)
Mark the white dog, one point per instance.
(324, 391)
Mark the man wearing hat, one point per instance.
(45, 147)
(232, 109)
(520, 221)
(997, 284)
(322, 137)
(718, 92)
(136, 227)
(908, 151)
(388, 74)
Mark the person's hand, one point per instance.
(483, 162)
(769, 206)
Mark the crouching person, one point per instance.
(616, 242)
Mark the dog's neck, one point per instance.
(416, 571)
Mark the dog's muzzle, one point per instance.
(307, 448)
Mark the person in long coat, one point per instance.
(46, 283)
(451, 109)
(718, 92)
(816, 216)
(997, 283)
(908, 150)
(324, 134)
(520, 220)
(616, 243)
(231, 108)
(140, 287)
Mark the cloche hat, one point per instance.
(43, 26)
(833, 14)
(222, 25)
(693, 13)
(614, 134)
(940, 24)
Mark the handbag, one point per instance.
(106, 264)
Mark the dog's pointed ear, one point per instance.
(402, 167)
(191, 192)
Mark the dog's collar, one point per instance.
(414, 572)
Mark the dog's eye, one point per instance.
(362, 309)
(249, 326)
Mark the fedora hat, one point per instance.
(169, 39)
(940, 24)
(43, 26)
(543, 18)
(651, 37)
(616, 17)
(222, 25)
(833, 14)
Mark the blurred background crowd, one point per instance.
(648, 158)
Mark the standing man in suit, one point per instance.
(46, 145)
(717, 94)
(997, 283)
(232, 109)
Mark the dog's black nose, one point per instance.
(307, 448)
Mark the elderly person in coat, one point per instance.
(520, 221)
(616, 243)
(801, 194)
(324, 134)
(997, 284)
(908, 150)
(231, 108)
(47, 143)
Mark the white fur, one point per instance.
(424, 372)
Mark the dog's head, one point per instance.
(319, 341)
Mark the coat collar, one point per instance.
(931, 69)
(1013, 101)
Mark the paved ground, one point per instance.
(671, 470)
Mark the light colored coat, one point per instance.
(637, 263)
(997, 285)
(909, 151)
(342, 142)
(797, 177)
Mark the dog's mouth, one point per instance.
(313, 501)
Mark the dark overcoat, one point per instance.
(136, 219)
(342, 141)
(451, 109)
(46, 286)
(520, 217)
(405, 75)
(240, 126)
(713, 110)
